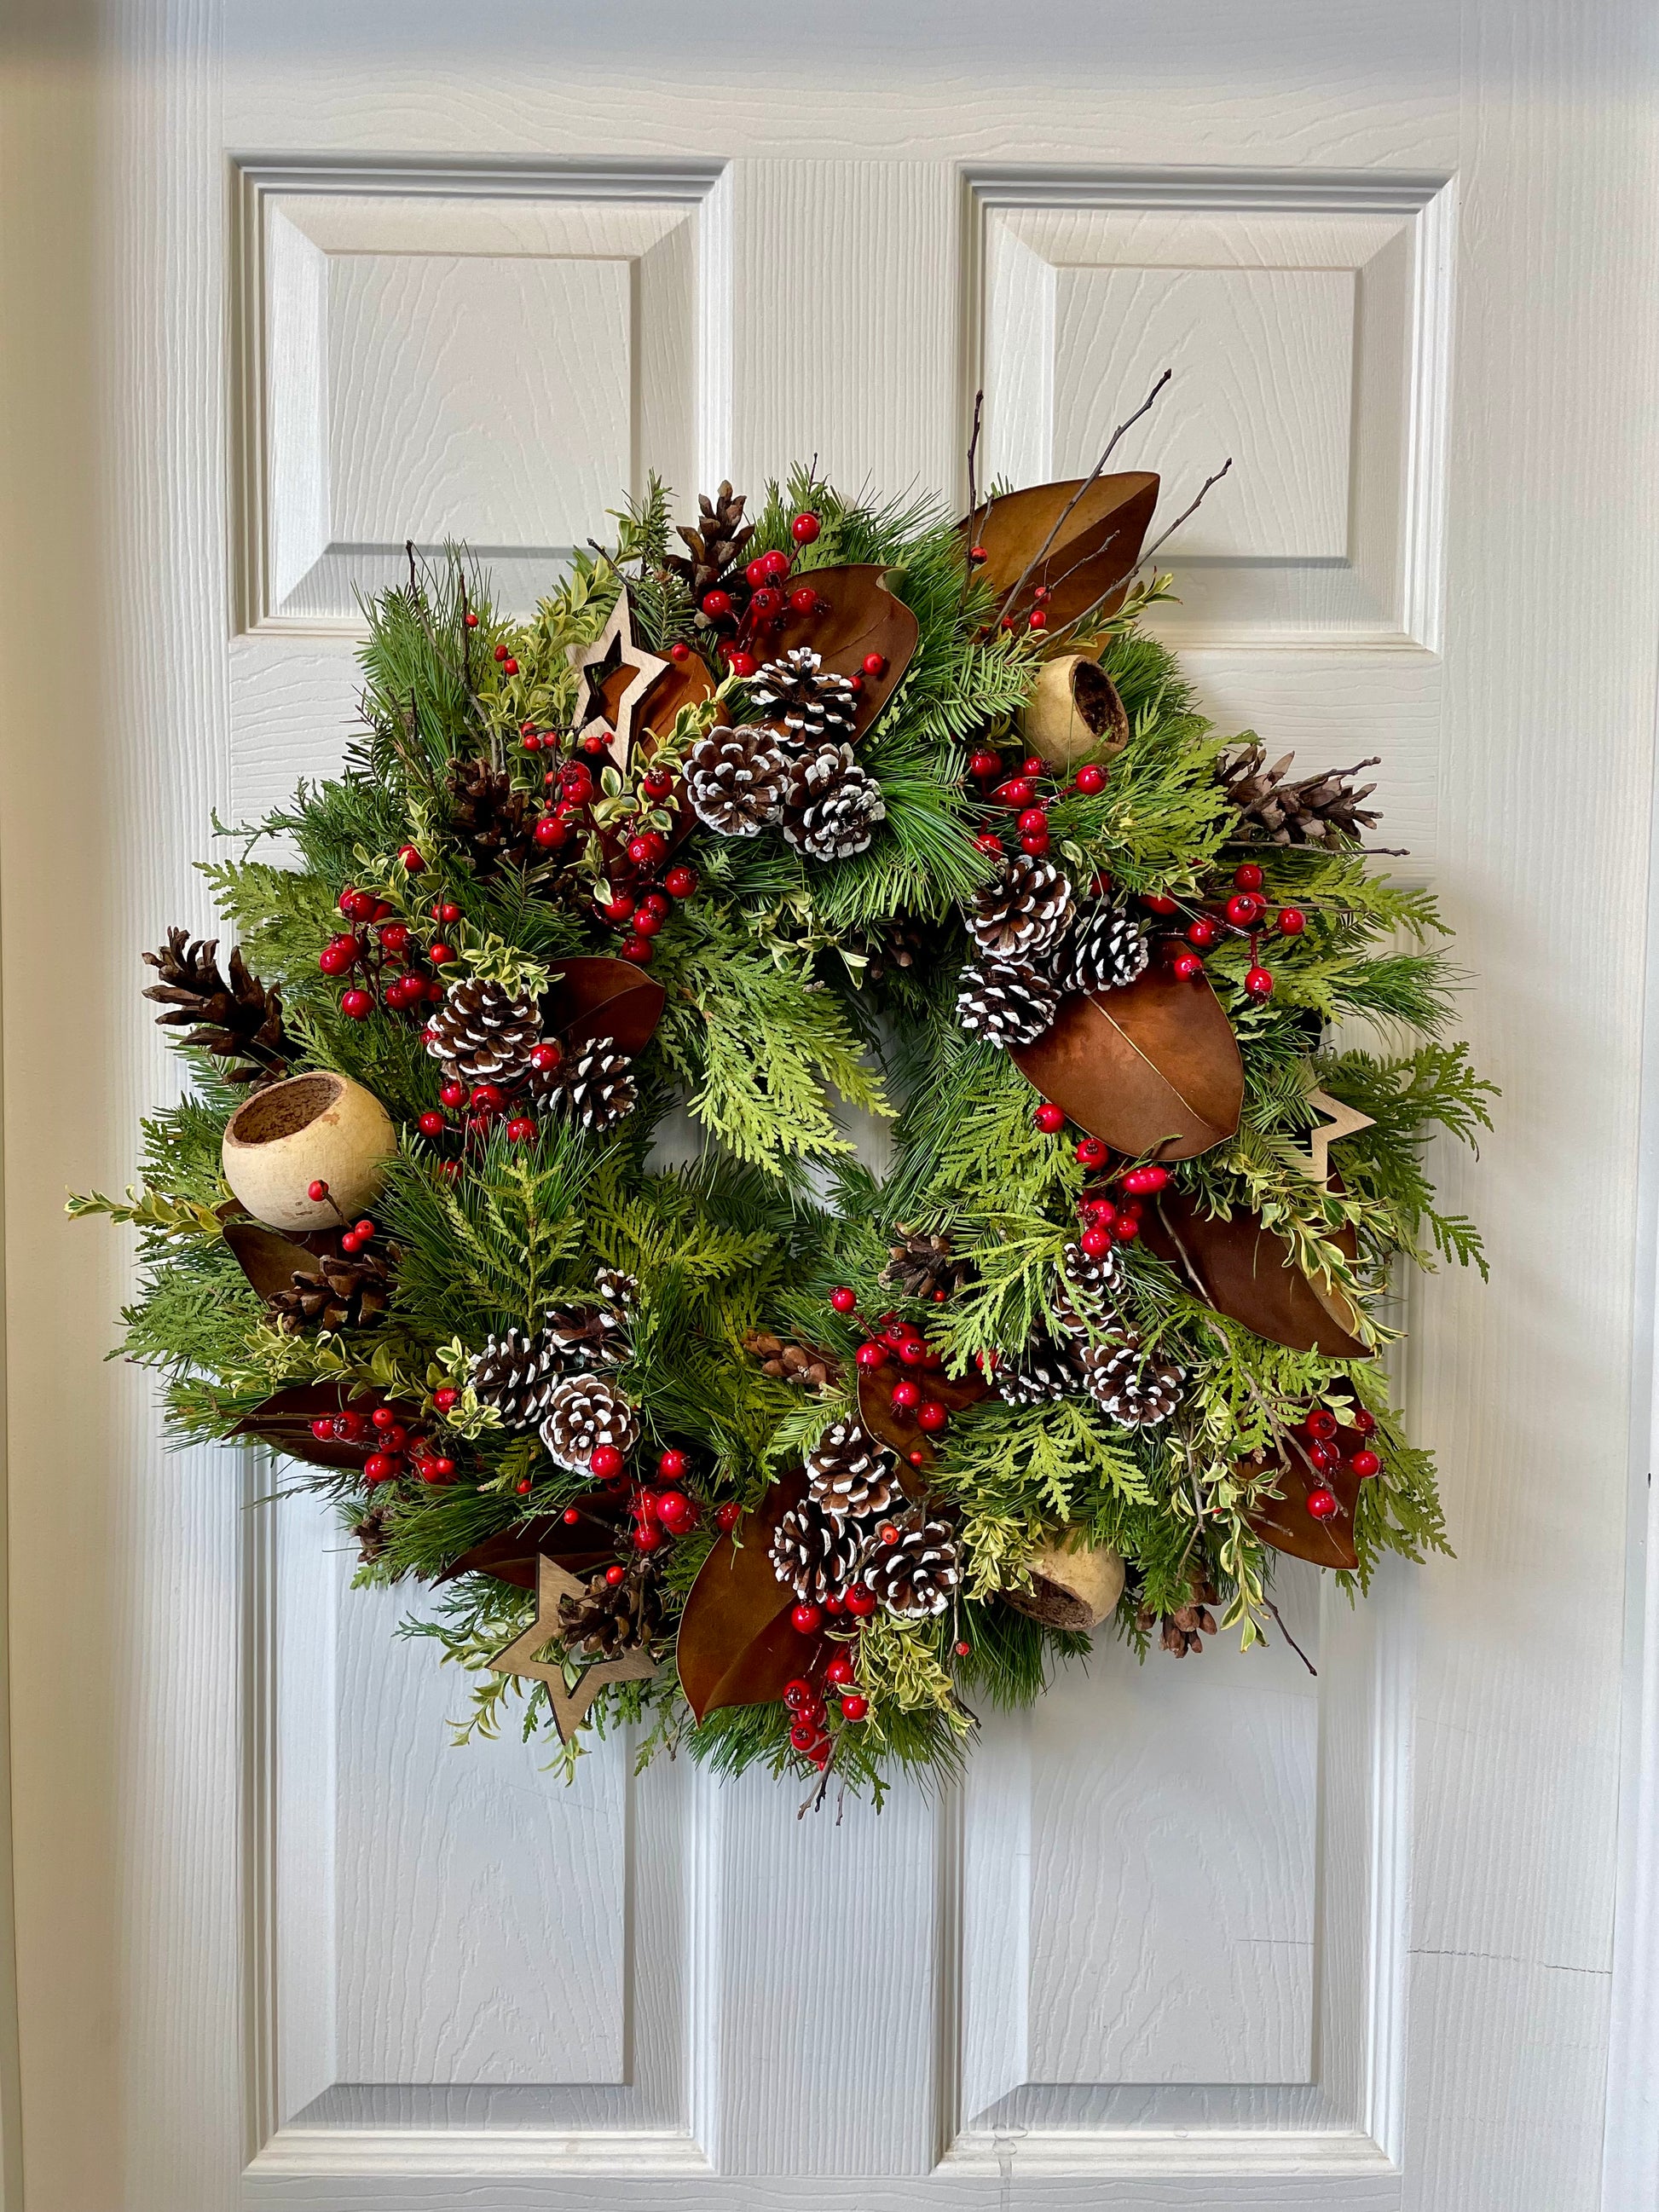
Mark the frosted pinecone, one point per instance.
(846, 1474)
(917, 1574)
(584, 1413)
(1132, 1387)
(815, 1554)
(518, 1374)
(832, 806)
(808, 701)
(1104, 949)
(1093, 1281)
(484, 1033)
(584, 1337)
(1045, 1371)
(735, 781)
(594, 1085)
(1005, 1001)
(1024, 911)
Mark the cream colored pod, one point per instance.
(1071, 1588)
(320, 1127)
(1074, 709)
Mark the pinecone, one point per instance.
(518, 1374)
(883, 946)
(917, 1574)
(1093, 1281)
(484, 1033)
(846, 1474)
(370, 1531)
(1132, 1387)
(347, 1291)
(492, 820)
(810, 702)
(1005, 1001)
(814, 1554)
(1183, 1631)
(594, 1085)
(1320, 810)
(610, 1619)
(584, 1413)
(925, 1267)
(617, 1292)
(581, 1338)
(239, 1021)
(1026, 910)
(1105, 951)
(1047, 1369)
(832, 805)
(716, 545)
(791, 1362)
(735, 781)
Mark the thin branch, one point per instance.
(973, 471)
(1289, 1639)
(1185, 515)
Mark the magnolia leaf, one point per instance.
(858, 616)
(284, 1420)
(599, 997)
(1152, 1070)
(579, 1547)
(737, 1643)
(268, 1259)
(1247, 1272)
(1285, 1522)
(1095, 550)
(897, 1427)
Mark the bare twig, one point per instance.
(1185, 515)
(973, 470)
(1289, 1639)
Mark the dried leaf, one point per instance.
(1098, 544)
(599, 997)
(284, 1420)
(268, 1259)
(862, 617)
(1285, 1522)
(1247, 1272)
(737, 1643)
(897, 1427)
(578, 1547)
(1152, 1069)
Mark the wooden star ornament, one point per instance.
(570, 1707)
(616, 673)
(1338, 1121)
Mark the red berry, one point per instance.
(1156, 902)
(854, 1708)
(988, 841)
(843, 1300)
(1248, 877)
(1036, 619)
(906, 1393)
(317, 1192)
(453, 1094)
(531, 742)
(1259, 983)
(441, 955)
(804, 1619)
(860, 1602)
(1033, 818)
(803, 600)
(510, 665)
(648, 1539)
(715, 604)
(775, 564)
(501, 653)
(356, 1005)
(671, 1466)
(618, 909)
(679, 651)
(640, 850)
(1035, 766)
(742, 664)
(447, 912)
(1091, 1152)
(1095, 1243)
(444, 1398)
(1321, 1423)
(680, 882)
(549, 832)
(638, 950)
(1365, 1463)
(471, 620)
(728, 1515)
(351, 1242)
(323, 1428)
(413, 863)
(522, 1129)
(657, 784)
(379, 1467)
(931, 1416)
(804, 1735)
(840, 1669)
(1201, 931)
(676, 1512)
(394, 935)
(797, 1694)
(1140, 1183)
(1324, 1457)
(616, 1574)
(348, 1427)
(338, 954)
(804, 528)
(523, 1486)
(1017, 793)
(963, 1648)
(1244, 910)
(432, 1125)
(984, 766)
(1290, 921)
(1322, 1503)
(875, 664)
(606, 1462)
(1050, 1118)
(1186, 965)
(647, 924)
(1034, 842)
(977, 554)
(1364, 1421)
(1091, 779)
(872, 1355)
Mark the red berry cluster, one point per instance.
(810, 1709)
(890, 1337)
(1106, 1220)
(742, 613)
(382, 953)
(1329, 1443)
(1241, 913)
(396, 1452)
(641, 913)
(659, 1515)
(1038, 618)
(1027, 794)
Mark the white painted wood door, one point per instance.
(284, 285)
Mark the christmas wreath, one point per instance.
(513, 1198)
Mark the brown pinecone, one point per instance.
(832, 805)
(581, 1338)
(491, 818)
(1320, 810)
(1132, 1387)
(1045, 1370)
(814, 1554)
(239, 1021)
(846, 1474)
(791, 1363)
(809, 702)
(926, 1267)
(610, 1618)
(735, 781)
(883, 947)
(1104, 949)
(347, 1290)
(518, 1374)
(584, 1413)
(1026, 910)
(917, 1574)
(370, 1531)
(1184, 1630)
(1005, 1001)
(594, 1085)
(484, 1033)
(716, 545)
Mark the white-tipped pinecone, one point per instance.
(1103, 951)
(594, 1085)
(484, 1033)
(585, 1337)
(1005, 1001)
(1093, 1281)
(1043, 1370)
(917, 1574)
(1132, 1387)
(735, 781)
(814, 1554)
(615, 1290)
(1026, 910)
(846, 1474)
(832, 805)
(584, 1413)
(518, 1374)
(808, 701)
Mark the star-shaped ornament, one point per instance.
(1338, 1121)
(616, 673)
(570, 1707)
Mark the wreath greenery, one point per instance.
(618, 912)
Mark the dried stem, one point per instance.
(1289, 1639)
(1185, 515)
(973, 470)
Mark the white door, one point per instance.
(286, 284)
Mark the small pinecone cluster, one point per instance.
(1183, 1630)
(815, 1554)
(810, 704)
(926, 1267)
(1104, 949)
(1045, 1369)
(831, 807)
(594, 1085)
(735, 781)
(349, 1291)
(1006, 1002)
(849, 1475)
(1319, 810)
(917, 1574)
(1132, 1387)
(369, 1529)
(491, 818)
(585, 1412)
(519, 1374)
(791, 1363)
(484, 1033)
(715, 545)
(1025, 911)
(238, 1020)
(610, 1619)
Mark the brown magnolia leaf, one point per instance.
(683, 683)
(1247, 1272)
(1094, 551)
(599, 997)
(1285, 1522)
(579, 1547)
(896, 1426)
(1152, 1069)
(860, 616)
(268, 1259)
(737, 1643)
(284, 1420)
